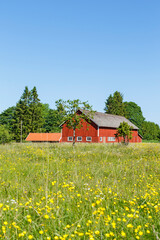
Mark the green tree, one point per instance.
(125, 131)
(134, 114)
(36, 110)
(53, 121)
(6, 118)
(72, 119)
(150, 130)
(5, 136)
(22, 116)
(114, 104)
(27, 115)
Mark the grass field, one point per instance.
(89, 192)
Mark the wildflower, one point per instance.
(30, 237)
(140, 233)
(123, 234)
(41, 232)
(129, 225)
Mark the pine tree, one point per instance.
(27, 115)
(114, 104)
(36, 110)
(21, 118)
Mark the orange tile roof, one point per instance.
(43, 137)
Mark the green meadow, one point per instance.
(91, 191)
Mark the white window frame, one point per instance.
(69, 140)
(90, 140)
(100, 139)
(79, 140)
(111, 139)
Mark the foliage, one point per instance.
(125, 131)
(150, 131)
(28, 114)
(5, 136)
(134, 114)
(6, 118)
(53, 121)
(36, 110)
(90, 192)
(114, 104)
(74, 120)
(53, 118)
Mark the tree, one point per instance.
(6, 118)
(52, 121)
(27, 115)
(36, 110)
(150, 130)
(125, 131)
(72, 119)
(134, 114)
(114, 104)
(22, 116)
(5, 136)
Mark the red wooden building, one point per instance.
(100, 129)
(44, 137)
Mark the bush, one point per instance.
(5, 137)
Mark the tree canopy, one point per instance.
(150, 131)
(134, 114)
(27, 115)
(5, 136)
(125, 131)
(73, 120)
(114, 104)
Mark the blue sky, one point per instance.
(84, 49)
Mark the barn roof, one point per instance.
(43, 137)
(108, 120)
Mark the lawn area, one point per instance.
(92, 191)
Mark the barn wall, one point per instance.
(91, 130)
(104, 133)
(88, 130)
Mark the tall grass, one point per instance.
(91, 191)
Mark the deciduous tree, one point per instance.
(72, 119)
(5, 136)
(134, 114)
(125, 131)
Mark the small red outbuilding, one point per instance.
(44, 137)
(101, 128)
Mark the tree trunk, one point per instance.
(74, 137)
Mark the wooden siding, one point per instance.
(110, 132)
(88, 130)
(97, 134)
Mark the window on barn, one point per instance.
(79, 139)
(111, 139)
(88, 139)
(100, 139)
(70, 139)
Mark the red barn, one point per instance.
(100, 129)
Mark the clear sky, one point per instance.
(84, 49)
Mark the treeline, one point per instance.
(30, 115)
(115, 105)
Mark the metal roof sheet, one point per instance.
(43, 137)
